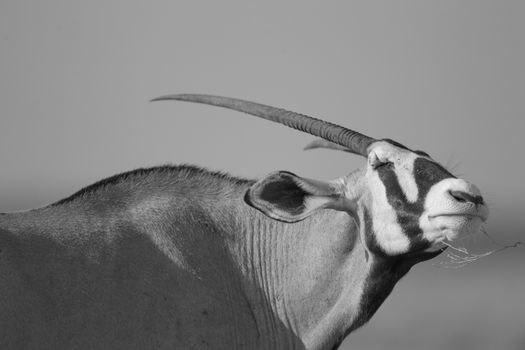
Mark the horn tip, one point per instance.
(165, 98)
(309, 147)
(312, 145)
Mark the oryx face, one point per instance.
(412, 202)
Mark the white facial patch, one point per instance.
(404, 161)
(388, 233)
(445, 218)
(406, 177)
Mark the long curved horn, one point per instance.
(356, 142)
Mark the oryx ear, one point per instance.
(287, 197)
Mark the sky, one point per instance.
(446, 77)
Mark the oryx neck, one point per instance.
(311, 274)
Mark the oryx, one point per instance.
(178, 257)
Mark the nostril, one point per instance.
(458, 195)
(461, 196)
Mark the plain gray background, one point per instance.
(447, 77)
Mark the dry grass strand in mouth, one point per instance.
(460, 256)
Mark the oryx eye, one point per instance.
(383, 164)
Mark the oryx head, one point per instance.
(403, 201)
